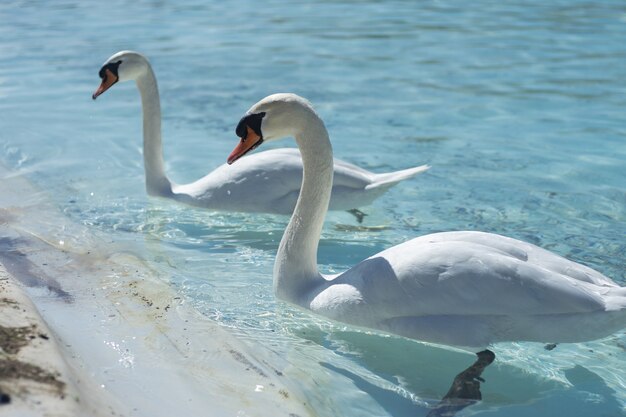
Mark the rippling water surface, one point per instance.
(518, 106)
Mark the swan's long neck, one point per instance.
(295, 269)
(156, 180)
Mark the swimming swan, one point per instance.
(269, 182)
(465, 289)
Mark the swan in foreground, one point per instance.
(269, 182)
(464, 289)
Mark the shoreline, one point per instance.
(34, 378)
(89, 329)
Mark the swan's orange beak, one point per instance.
(107, 81)
(246, 144)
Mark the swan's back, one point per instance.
(523, 251)
(501, 288)
(257, 183)
(270, 181)
(484, 273)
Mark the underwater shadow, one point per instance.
(464, 391)
(395, 404)
(586, 381)
(16, 263)
(428, 371)
(588, 396)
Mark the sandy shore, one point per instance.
(34, 378)
(89, 329)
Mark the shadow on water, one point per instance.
(594, 391)
(428, 372)
(465, 391)
(17, 264)
(588, 396)
(393, 403)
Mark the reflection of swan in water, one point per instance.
(269, 182)
(467, 289)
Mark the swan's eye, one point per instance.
(111, 66)
(253, 121)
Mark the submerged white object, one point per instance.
(466, 289)
(267, 182)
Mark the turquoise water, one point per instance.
(519, 108)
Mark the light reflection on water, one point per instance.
(517, 106)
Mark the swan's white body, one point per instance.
(467, 289)
(267, 182)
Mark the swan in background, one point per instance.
(464, 289)
(269, 182)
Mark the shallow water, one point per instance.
(518, 107)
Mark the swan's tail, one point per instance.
(388, 179)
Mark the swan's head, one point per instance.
(123, 66)
(272, 118)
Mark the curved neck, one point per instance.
(156, 180)
(295, 268)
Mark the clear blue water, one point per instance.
(518, 106)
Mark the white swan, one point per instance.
(466, 289)
(267, 183)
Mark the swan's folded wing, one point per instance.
(461, 277)
(258, 182)
(350, 176)
(345, 174)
